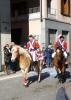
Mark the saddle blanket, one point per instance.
(40, 56)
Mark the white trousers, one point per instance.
(64, 53)
(33, 54)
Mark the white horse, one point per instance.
(24, 58)
(25, 61)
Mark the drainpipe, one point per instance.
(41, 11)
(0, 48)
(42, 37)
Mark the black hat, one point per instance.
(62, 37)
(30, 35)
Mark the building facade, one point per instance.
(42, 18)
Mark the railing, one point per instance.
(26, 12)
(52, 11)
(34, 9)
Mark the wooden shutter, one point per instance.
(65, 7)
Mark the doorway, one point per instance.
(16, 35)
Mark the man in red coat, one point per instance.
(32, 47)
(63, 44)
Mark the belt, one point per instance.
(32, 49)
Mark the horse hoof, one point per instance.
(25, 83)
(61, 81)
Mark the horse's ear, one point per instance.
(17, 47)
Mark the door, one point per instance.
(16, 36)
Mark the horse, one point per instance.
(25, 62)
(59, 63)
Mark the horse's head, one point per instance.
(59, 51)
(18, 52)
(15, 53)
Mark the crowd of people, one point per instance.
(35, 51)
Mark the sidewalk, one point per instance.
(4, 76)
(2, 73)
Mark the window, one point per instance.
(52, 35)
(49, 6)
(65, 7)
(65, 34)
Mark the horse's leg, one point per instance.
(25, 79)
(57, 70)
(59, 75)
(36, 68)
(39, 70)
(6, 68)
(63, 74)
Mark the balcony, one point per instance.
(34, 10)
(51, 13)
(31, 13)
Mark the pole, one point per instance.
(0, 47)
(41, 19)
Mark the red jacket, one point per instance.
(34, 45)
(57, 44)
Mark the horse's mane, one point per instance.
(59, 54)
(21, 50)
(24, 52)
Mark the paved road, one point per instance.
(11, 88)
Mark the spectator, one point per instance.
(7, 57)
(48, 55)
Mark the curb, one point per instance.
(2, 73)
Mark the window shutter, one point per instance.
(65, 7)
